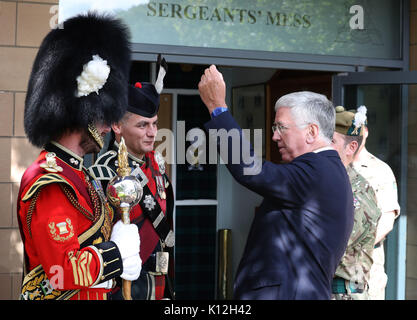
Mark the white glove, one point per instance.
(126, 237)
(131, 268)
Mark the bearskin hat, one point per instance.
(54, 103)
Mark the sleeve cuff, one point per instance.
(218, 111)
(111, 265)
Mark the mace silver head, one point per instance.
(124, 191)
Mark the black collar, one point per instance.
(66, 155)
(133, 161)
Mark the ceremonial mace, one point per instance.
(124, 191)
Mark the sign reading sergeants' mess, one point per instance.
(296, 26)
(227, 15)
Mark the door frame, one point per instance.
(397, 239)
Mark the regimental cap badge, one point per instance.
(50, 164)
(350, 123)
(360, 117)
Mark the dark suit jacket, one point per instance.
(301, 230)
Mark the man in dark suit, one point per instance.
(301, 230)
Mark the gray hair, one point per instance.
(310, 107)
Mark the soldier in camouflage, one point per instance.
(351, 278)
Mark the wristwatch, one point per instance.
(218, 111)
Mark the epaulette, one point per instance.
(42, 181)
(101, 170)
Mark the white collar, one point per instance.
(322, 149)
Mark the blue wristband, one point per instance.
(218, 111)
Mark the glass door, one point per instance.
(392, 113)
(195, 183)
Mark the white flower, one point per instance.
(93, 77)
(360, 117)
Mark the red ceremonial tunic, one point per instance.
(67, 229)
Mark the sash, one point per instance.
(150, 206)
(152, 210)
(144, 219)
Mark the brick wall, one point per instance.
(23, 26)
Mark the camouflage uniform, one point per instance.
(353, 270)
